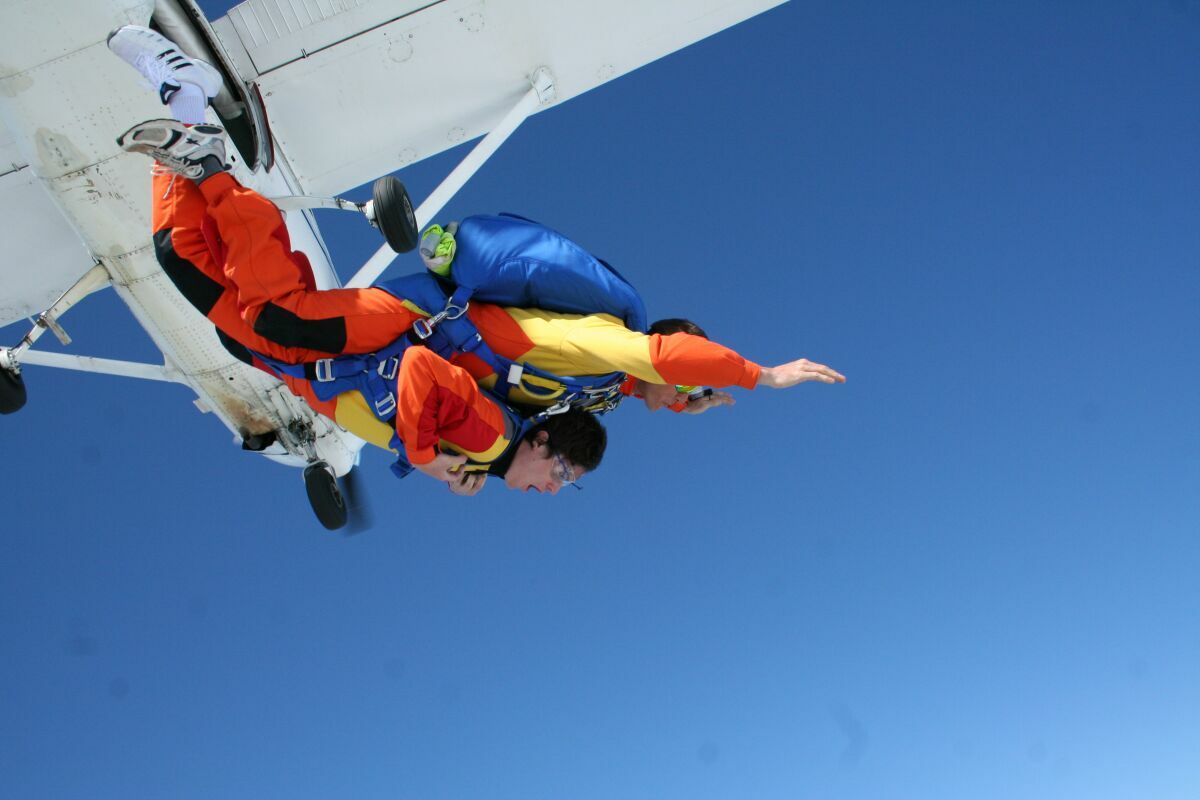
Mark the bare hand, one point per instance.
(444, 466)
(799, 371)
(698, 405)
(468, 484)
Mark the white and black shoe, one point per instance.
(195, 151)
(160, 61)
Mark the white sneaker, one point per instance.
(179, 148)
(162, 63)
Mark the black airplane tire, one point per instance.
(324, 496)
(12, 392)
(394, 214)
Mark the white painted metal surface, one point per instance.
(105, 366)
(10, 156)
(407, 89)
(277, 32)
(42, 253)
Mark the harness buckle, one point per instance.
(423, 328)
(389, 368)
(323, 367)
(472, 344)
(385, 406)
(562, 406)
(452, 311)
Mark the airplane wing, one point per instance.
(42, 255)
(354, 90)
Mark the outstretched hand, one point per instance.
(698, 405)
(799, 371)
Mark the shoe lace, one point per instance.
(165, 164)
(154, 71)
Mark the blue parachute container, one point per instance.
(512, 261)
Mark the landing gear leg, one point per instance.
(12, 386)
(320, 481)
(389, 209)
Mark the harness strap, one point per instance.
(448, 332)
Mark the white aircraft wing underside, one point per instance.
(355, 89)
(73, 199)
(40, 253)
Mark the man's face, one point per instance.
(659, 395)
(533, 467)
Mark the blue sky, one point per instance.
(968, 572)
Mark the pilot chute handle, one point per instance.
(438, 248)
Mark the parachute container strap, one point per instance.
(401, 467)
(280, 367)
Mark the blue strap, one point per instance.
(370, 374)
(401, 468)
(280, 367)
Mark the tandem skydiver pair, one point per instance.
(226, 248)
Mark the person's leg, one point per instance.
(190, 252)
(183, 83)
(181, 250)
(275, 290)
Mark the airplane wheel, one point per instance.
(12, 392)
(394, 214)
(324, 495)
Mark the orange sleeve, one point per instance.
(695, 361)
(439, 405)
(594, 344)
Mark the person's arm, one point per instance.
(596, 346)
(439, 405)
(689, 360)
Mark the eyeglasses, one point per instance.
(563, 472)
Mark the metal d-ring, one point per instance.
(424, 327)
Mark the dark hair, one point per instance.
(575, 435)
(665, 327)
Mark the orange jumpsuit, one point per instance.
(438, 405)
(227, 250)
